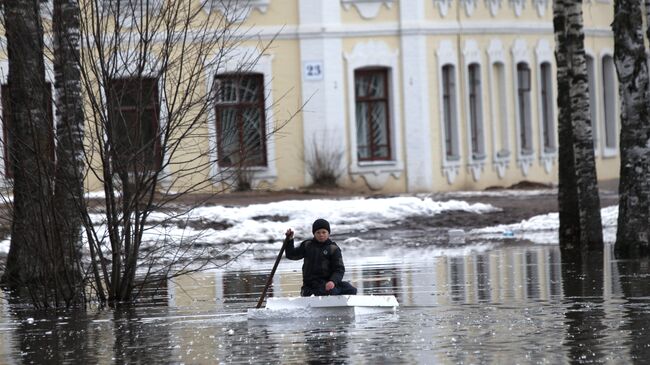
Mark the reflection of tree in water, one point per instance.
(635, 275)
(45, 340)
(133, 338)
(583, 291)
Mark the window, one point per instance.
(609, 102)
(7, 119)
(593, 104)
(475, 111)
(241, 121)
(372, 114)
(449, 111)
(500, 112)
(134, 114)
(546, 97)
(523, 93)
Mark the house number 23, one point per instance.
(313, 70)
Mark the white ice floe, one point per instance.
(542, 229)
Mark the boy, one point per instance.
(322, 269)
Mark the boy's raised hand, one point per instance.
(289, 234)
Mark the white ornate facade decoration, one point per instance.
(544, 54)
(446, 54)
(518, 6)
(494, 6)
(476, 164)
(368, 9)
(520, 54)
(236, 10)
(443, 6)
(469, 5)
(541, 6)
(375, 53)
(498, 104)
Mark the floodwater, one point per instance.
(511, 304)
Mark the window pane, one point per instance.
(241, 120)
(372, 120)
(228, 136)
(250, 89)
(253, 136)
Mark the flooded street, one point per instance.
(510, 304)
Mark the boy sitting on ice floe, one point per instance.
(322, 268)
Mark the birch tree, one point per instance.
(29, 268)
(579, 202)
(634, 187)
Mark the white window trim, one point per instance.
(472, 55)
(500, 153)
(518, 6)
(521, 54)
(447, 55)
(541, 6)
(368, 9)
(250, 60)
(240, 11)
(545, 54)
(469, 5)
(609, 152)
(4, 76)
(368, 54)
(443, 6)
(594, 97)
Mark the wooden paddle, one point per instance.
(270, 278)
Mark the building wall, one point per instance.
(414, 40)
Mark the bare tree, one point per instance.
(145, 70)
(151, 77)
(30, 267)
(579, 202)
(632, 236)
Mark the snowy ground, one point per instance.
(263, 225)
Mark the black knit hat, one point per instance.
(320, 224)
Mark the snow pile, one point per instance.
(268, 222)
(542, 229)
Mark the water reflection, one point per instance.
(513, 304)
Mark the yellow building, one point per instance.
(412, 95)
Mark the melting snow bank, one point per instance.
(268, 222)
(542, 229)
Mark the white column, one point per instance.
(417, 136)
(321, 57)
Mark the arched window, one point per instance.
(593, 102)
(475, 101)
(449, 112)
(547, 100)
(523, 109)
(609, 103)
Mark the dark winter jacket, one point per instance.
(323, 261)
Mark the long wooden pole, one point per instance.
(270, 278)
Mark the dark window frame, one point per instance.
(7, 119)
(385, 100)
(523, 91)
(116, 91)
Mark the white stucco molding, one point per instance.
(472, 55)
(541, 6)
(447, 55)
(236, 10)
(243, 59)
(520, 53)
(375, 53)
(518, 6)
(501, 153)
(544, 54)
(443, 6)
(368, 9)
(469, 6)
(494, 6)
